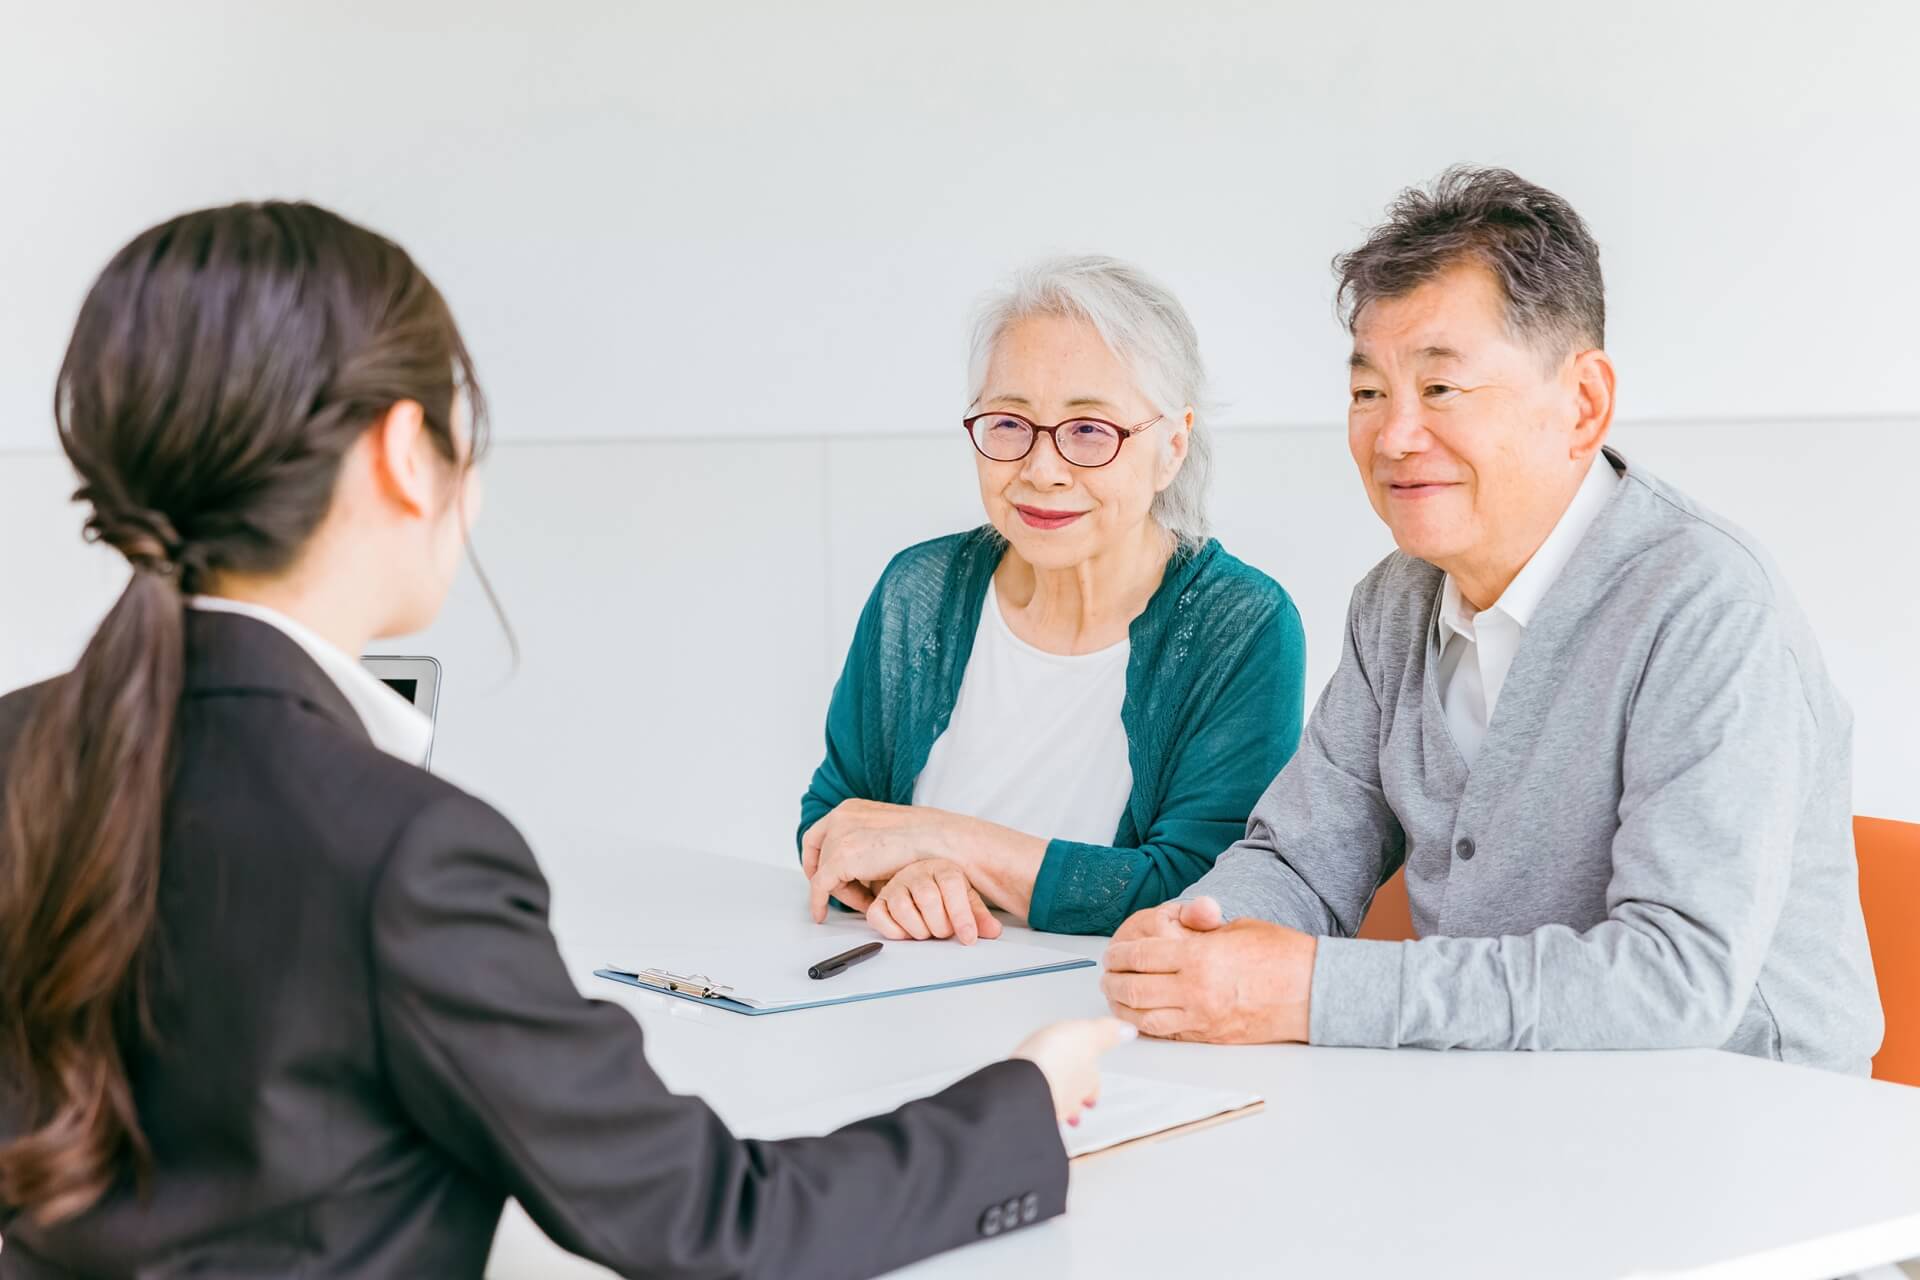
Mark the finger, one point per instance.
(855, 896)
(954, 892)
(1162, 921)
(1147, 955)
(811, 844)
(984, 921)
(1108, 1033)
(926, 896)
(1093, 1037)
(1165, 1024)
(883, 923)
(1145, 991)
(829, 884)
(819, 890)
(1201, 913)
(906, 913)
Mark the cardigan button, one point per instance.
(1464, 847)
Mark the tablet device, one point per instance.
(416, 679)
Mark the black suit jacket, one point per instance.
(367, 1041)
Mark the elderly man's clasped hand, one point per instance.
(1179, 972)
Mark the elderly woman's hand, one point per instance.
(932, 899)
(863, 844)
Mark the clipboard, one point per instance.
(694, 986)
(756, 980)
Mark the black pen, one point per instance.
(845, 960)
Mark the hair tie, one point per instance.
(146, 538)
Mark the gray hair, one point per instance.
(1532, 241)
(1147, 329)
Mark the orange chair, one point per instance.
(1389, 919)
(1889, 854)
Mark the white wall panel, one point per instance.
(53, 587)
(667, 219)
(685, 605)
(669, 601)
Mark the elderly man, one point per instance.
(1584, 714)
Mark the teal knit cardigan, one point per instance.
(1215, 691)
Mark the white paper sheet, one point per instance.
(1130, 1107)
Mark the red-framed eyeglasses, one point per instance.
(1085, 442)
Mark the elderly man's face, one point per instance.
(1464, 434)
(1049, 369)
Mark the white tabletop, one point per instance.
(1365, 1163)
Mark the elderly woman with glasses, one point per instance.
(1069, 712)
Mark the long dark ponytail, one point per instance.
(220, 369)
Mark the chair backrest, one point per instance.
(1889, 854)
(1389, 919)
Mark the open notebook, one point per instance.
(1131, 1109)
(771, 977)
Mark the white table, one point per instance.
(1365, 1163)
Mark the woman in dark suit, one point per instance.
(272, 999)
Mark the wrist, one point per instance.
(959, 840)
(1302, 1023)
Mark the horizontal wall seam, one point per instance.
(1237, 429)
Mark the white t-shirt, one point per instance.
(1035, 742)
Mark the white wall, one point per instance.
(683, 606)
(750, 217)
(715, 261)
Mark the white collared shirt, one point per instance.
(396, 726)
(1478, 648)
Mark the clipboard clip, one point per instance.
(698, 985)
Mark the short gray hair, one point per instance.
(1147, 329)
(1532, 241)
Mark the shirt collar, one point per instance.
(395, 725)
(1456, 615)
(1530, 586)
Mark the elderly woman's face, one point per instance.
(1050, 369)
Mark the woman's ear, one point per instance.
(402, 458)
(1174, 455)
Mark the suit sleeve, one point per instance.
(500, 1060)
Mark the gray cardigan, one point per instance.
(1654, 848)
